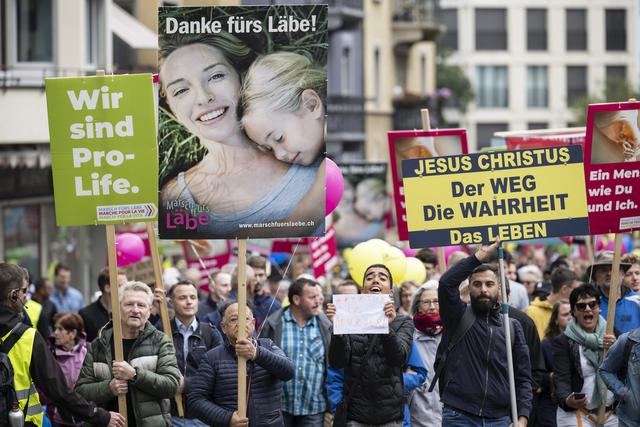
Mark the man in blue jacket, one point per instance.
(624, 358)
(474, 385)
(213, 392)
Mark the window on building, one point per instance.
(616, 72)
(491, 29)
(32, 30)
(576, 24)
(537, 125)
(95, 29)
(576, 82)
(492, 86)
(536, 29)
(345, 68)
(449, 40)
(537, 86)
(21, 239)
(616, 29)
(485, 131)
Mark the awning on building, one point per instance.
(131, 31)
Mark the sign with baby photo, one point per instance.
(365, 207)
(405, 145)
(103, 135)
(242, 157)
(612, 167)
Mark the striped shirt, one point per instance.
(304, 394)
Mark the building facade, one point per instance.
(529, 60)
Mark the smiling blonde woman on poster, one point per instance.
(200, 77)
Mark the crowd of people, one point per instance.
(443, 361)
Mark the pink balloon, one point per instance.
(129, 249)
(409, 252)
(448, 250)
(335, 186)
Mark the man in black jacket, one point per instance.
(474, 385)
(42, 369)
(377, 398)
(98, 313)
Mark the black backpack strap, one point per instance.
(207, 334)
(466, 321)
(14, 336)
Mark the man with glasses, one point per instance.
(628, 304)
(34, 365)
(577, 354)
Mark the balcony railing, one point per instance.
(416, 20)
(34, 76)
(345, 114)
(415, 10)
(406, 112)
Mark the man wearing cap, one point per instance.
(628, 306)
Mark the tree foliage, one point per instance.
(615, 90)
(454, 78)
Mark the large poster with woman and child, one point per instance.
(242, 121)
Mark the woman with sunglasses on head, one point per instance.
(577, 354)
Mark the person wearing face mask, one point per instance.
(373, 386)
(474, 386)
(424, 405)
(577, 355)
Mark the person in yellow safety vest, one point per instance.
(34, 309)
(34, 365)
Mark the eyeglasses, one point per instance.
(429, 301)
(582, 306)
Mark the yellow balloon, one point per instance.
(415, 271)
(379, 243)
(346, 254)
(396, 262)
(362, 256)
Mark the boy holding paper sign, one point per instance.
(373, 385)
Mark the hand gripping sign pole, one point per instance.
(614, 290)
(507, 335)
(426, 125)
(242, 325)
(164, 311)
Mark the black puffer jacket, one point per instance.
(377, 399)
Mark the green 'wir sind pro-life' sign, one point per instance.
(104, 153)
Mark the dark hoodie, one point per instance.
(47, 376)
(475, 376)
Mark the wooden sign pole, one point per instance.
(164, 311)
(614, 292)
(115, 311)
(115, 301)
(242, 325)
(426, 125)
